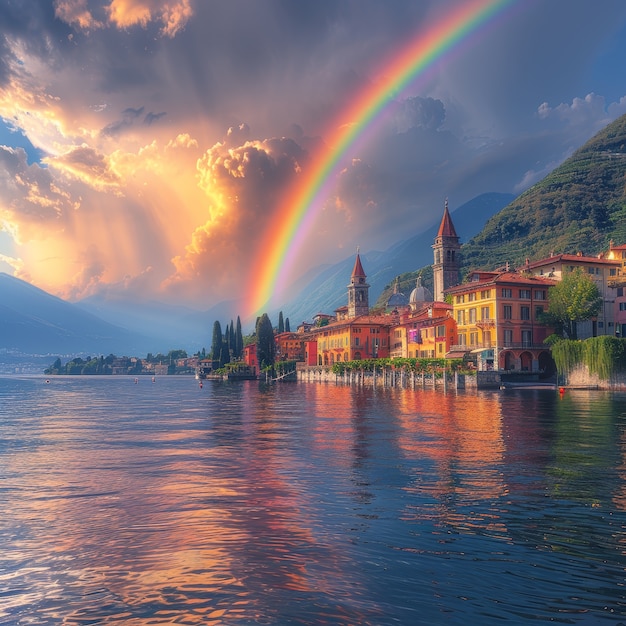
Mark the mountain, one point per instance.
(327, 291)
(35, 322)
(174, 326)
(579, 206)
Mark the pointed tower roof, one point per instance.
(446, 228)
(358, 271)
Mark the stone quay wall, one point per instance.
(580, 377)
(390, 377)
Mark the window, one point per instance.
(507, 312)
(485, 294)
(538, 311)
(622, 306)
(460, 317)
(527, 338)
(540, 294)
(472, 316)
(507, 293)
(524, 294)
(462, 340)
(613, 271)
(524, 312)
(357, 342)
(441, 331)
(508, 337)
(484, 313)
(620, 292)
(472, 297)
(473, 339)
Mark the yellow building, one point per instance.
(498, 318)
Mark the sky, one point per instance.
(147, 146)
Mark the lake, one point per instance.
(151, 503)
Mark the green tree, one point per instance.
(576, 298)
(281, 323)
(216, 343)
(238, 339)
(265, 344)
(287, 328)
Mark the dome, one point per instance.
(420, 293)
(397, 298)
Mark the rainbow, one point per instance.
(304, 200)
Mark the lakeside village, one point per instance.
(510, 326)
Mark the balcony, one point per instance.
(486, 324)
(475, 346)
(616, 281)
(523, 345)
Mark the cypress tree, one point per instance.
(287, 328)
(238, 339)
(231, 337)
(281, 324)
(265, 345)
(216, 343)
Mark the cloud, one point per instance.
(76, 13)
(242, 186)
(171, 14)
(589, 111)
(87, 165)
(31, 201)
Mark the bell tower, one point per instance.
(447, 257)
(358, 291)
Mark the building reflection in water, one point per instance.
(257, 503)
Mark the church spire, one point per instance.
(446, 228)
(358, 290)
(358, 271)
(447, 258)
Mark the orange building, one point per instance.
(249, 357)
(363, 337)
(290, 347)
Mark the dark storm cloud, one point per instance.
(33, 23)
(150, 118)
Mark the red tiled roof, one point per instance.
(572, 258)
(503, 277)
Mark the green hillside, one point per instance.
(580, 206)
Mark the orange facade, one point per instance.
(363, 337)
(290, 347)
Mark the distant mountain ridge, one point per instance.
(34, 322)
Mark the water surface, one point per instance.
(166, 503)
